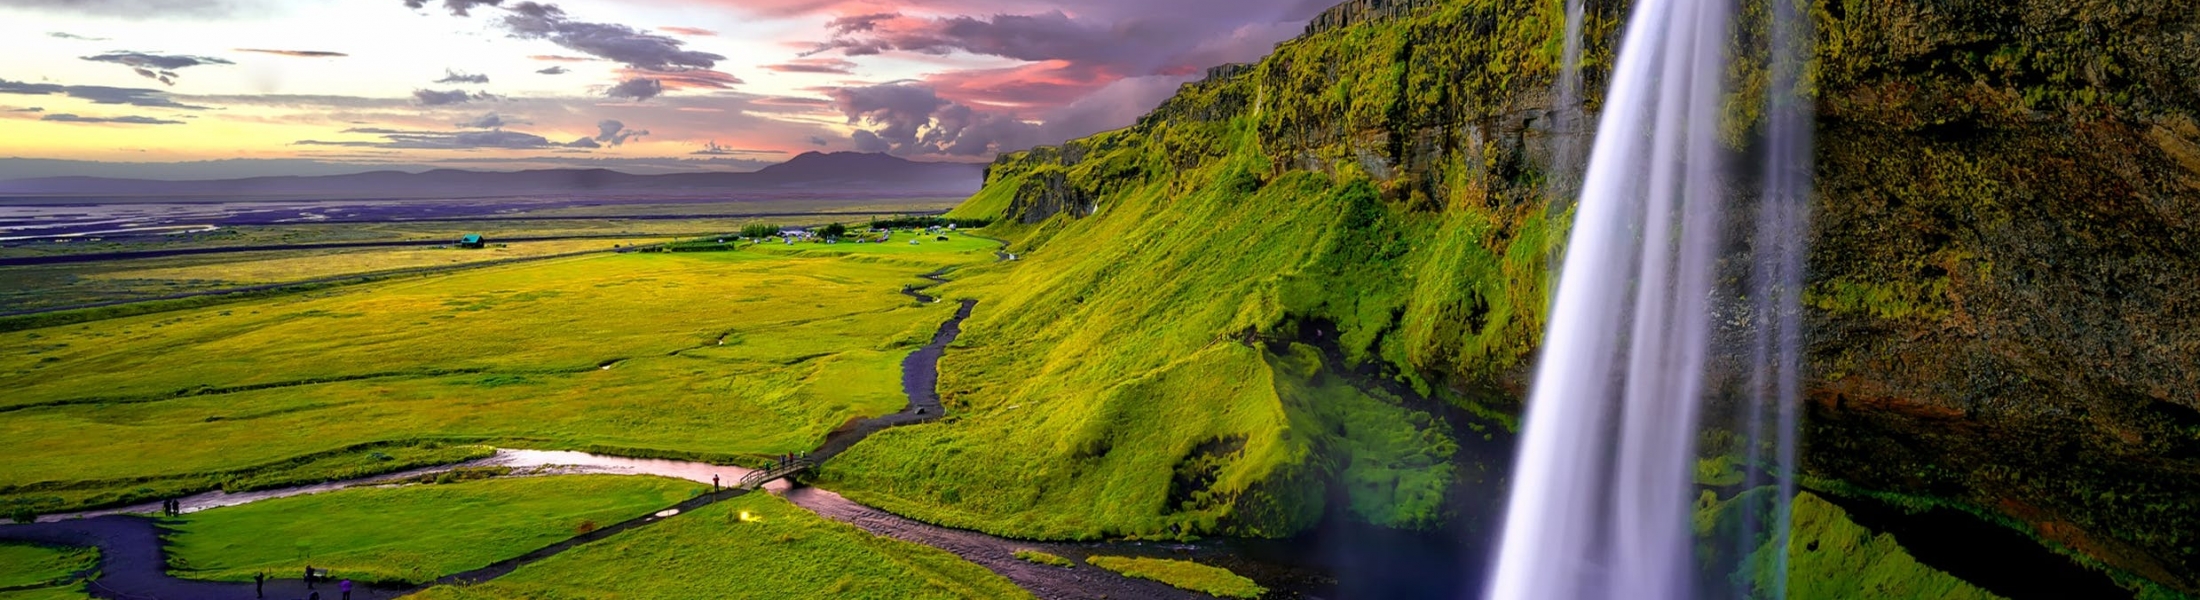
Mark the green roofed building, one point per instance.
(472, 240)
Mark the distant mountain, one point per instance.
(809, 173)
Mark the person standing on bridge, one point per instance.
(309, 578)
(259, 584)
(344, 587)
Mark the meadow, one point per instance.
(714, 356)
(1218, 416)
(31, 569)
(754, 546)
(1182, 574)
(409, 534)
(282, 267)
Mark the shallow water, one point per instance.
(527, 462)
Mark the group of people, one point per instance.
(259, 585)
(171, 508)
(786, 460)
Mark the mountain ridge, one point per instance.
(810, 171)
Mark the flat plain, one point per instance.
(726, 356)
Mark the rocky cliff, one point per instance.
(2007, 210)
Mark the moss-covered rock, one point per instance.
(2008, 195)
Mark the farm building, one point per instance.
(472, 240)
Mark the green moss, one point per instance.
(1182, 574)
(1831, 557)
(1035, 556)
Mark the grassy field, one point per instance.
(410, 534)
(781, 551)
(47, 286)
(26, 565)
(1183, 574)
(1132, 375)
(713, 355)
(282, 267)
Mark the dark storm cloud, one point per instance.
(1089, 66)
(900, 112)
(97, 94)
(554, 71)
(638, 89)
(488, 121)
(447, 97)
(687, 79)
(450, 76)
(295, 53)
(128, 120)
(71, 36)
(1044, 36)
(440, 140)
(860, 23)
(835, 66)
(912, 119)
(161, 67)
(457, 7)
(614, 133)
(620, 43)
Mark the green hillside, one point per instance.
(1255, 291)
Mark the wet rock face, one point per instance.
(2005, 223)
(2004, 290)
(1356, 12)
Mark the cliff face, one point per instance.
(2008, 201)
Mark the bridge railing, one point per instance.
(757, 479)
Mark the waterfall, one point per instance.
(1601, 490)
(1776, 273)
(1566, 134)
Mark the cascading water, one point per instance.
(1601, 488)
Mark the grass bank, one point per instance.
(778, 551)
(28, 566)
(1183, 574)
(409, 534)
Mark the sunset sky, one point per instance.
(313, 86)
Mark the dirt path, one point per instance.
(1049, 582)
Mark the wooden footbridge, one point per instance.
(756, 479)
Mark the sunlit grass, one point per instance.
(27, 565)
(717, 355)
(410, 534)
(783, 551)
(1120, 379)
(1183, 574)
(1035, 556)
(284, 267)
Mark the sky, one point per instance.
(258, 87)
